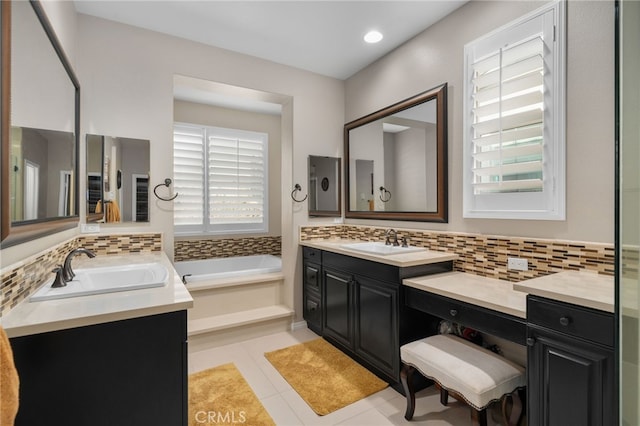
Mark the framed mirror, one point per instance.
(95, 177)
(396, 161)
(325, 192)
(117, 179)
(40, 126)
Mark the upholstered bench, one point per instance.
(465, 370)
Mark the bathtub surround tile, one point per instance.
(226, 247)
(20, 280)
(486, 255)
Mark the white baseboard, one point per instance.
(298, 325)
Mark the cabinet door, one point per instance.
(130, 372)
(571, 381)
(337, 306)
(376, 336)
(312, 313)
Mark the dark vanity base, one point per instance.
(130, 372)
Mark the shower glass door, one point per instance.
(628, 238)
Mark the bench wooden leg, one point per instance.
(444, 396)
(406, 375)
(516, 409)
(478, 418)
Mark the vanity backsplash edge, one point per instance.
(20, 280)
(486, 255)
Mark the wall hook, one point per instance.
(166, 183)
(385, 194)
(297, 188)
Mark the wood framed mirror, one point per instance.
(325, 192)
(396, 161)
(40, 126)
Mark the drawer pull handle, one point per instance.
(531, 341)
(565, 321)
(453, 312)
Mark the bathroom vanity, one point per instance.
(116, 358)
(356, 301)
(368, 305)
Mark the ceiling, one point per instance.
(325, 37)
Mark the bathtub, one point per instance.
(227, 267)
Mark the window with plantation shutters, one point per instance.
(514, 120)
(221, 176)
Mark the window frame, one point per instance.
(207, 227)
(550, 203)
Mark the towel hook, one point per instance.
(297, 188)
(386, 193)
(166, 183)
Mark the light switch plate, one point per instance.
(517, 264)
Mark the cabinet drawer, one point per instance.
(482, 319)
(312, 276)
(312, 312)
(312, 254)
(577, 321)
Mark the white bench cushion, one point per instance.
(477, 374)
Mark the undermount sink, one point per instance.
(106, 280)
(379, 248)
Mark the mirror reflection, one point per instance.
(118, 178)
(324, 186)
(41, 179)
(396, 167)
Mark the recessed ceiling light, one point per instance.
(373, 36)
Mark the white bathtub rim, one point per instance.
(184, 268)
(234, 281)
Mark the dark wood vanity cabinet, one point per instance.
(362, 311)
(311, 280)
(129, 372)
(571, 365)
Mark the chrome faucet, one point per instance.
(388, 234)
(67, 272)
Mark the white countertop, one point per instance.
(490, 293)
(401, 259)
(583, 288)
(51, 315)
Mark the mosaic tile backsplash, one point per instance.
(226, 247)
(487, 255)
(19, 281)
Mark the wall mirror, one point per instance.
(396, 161)
(324, 186)
(117, 179)
(40, 125)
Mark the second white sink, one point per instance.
(106, 280)
(374, 247)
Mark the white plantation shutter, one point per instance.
(188, 172)
(223, 174)
(514, 120)
(508, 119)
(236, 180)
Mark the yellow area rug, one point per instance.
(323, 376)
(221, 396)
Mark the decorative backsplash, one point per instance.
(486, 255)
(118, 244)
(225, 247)
(19, 281)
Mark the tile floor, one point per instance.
(288, 409)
